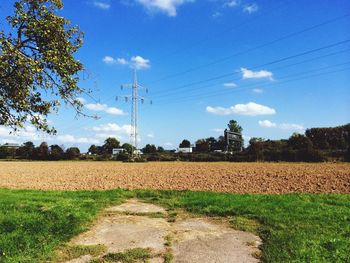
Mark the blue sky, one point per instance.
(277, 67)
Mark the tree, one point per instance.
(299, 142)
(26, 150)
(233, 126)
(93, 149)
(149, 148)
(202, 145)
(160, 149)
(110, 144)
(72, 153)
(41, 152)
(56, 152)
(185, 144)
(37, 58)
(128, 148)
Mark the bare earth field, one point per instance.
(218, 177)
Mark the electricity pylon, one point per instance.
(135, 98)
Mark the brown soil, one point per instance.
(219, 177)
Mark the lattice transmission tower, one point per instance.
(135, 98)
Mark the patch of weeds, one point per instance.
(168, 241)
(68, 252)
(172, 214)
(168, 257)
(129, 256)
(245, 224)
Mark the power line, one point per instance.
(224, 92)
(261, 65)
(173, 92)
(214, 62)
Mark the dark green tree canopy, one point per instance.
(110, 144)
(38, 70)
(149, 148)
(185, 144)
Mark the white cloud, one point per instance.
(169, 144)
(232, 3)
(267, 124)
(112, 61)
(101, 5)
(218, 130)
(249, 109)
(122, 61)
(139, 62)
(150, 135)
(216, 15)
(230, 85)
(104, 108)
(67, 138)
(250, 8)
(282, 126)
(113, 127)
(258, 91)
(168, 7)
(249, 74)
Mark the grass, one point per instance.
(129, 256)
(69, 252)
(294, 227)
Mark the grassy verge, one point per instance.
(294, 228)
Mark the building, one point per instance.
(117, 151)
(11, 145)
(185, 149)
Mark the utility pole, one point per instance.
(135, 98)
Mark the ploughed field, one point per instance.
(219, 177)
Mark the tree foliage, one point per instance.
(38, 71)
(110, 144)
(185, 144)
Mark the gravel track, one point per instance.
(268, 178)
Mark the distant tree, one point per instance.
(299, 142)
(3, 152)
(93, 149)
(26, 150)
(110, 144)
(72, 153)
(56, 152)
(41, 152)
(202, 145)
(149, 148)
(128, 148)
(233, 126)
(37, 58)
(160, 149)
(255, 148)
(185, 144)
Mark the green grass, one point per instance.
(294, 227)
(129, 256)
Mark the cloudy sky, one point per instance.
(277, 67)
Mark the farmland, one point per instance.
(267, 178)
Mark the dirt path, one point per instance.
(135, 227)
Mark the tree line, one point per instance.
(316, 145)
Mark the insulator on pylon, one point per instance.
(126, 99)
(116, 98)
(151, 102)
(142, 101)
(121, 87)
